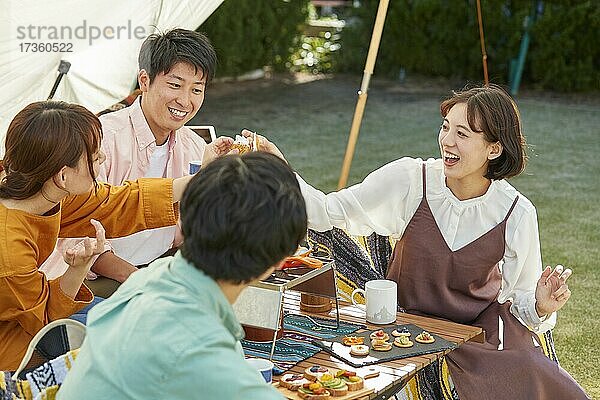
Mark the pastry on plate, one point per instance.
(403, 341)
(334, 385)
(293, 381)
(402, 332)
(381, 345)
(315, 372)
(380, 334)
(313, 391)
(359, 350)
(350, 340)
(425, 337)
(353, 381)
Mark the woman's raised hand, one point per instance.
(217, 148)
(81, 254)
(552, 291)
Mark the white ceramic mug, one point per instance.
(265, 367)
(381, 298)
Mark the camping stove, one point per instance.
(260, 305)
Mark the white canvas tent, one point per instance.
(104, 37)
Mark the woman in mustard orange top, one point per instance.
(48, 189)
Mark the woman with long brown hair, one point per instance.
(48, 189)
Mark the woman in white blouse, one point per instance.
(468, 247)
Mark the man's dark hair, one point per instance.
(241, 215)
(160, 52)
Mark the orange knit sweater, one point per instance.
(28, 301)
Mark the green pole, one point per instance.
(516, 66)
(518, 71)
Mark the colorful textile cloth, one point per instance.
(294, 346)
(8, 387)
(50, 374)
(358, 259)
(40, 384)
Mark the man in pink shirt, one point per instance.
(149, 140)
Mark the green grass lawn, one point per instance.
(310, 123)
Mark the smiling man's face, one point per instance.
(172, 98)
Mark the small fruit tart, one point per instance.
(359, 350)
(403, 341)
(353, 381)
(425, 337)
(380, 334)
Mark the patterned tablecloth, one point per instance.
(295, 345)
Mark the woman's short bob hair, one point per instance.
(43, 138)
(491, 111)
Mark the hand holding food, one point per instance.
(242, 144)
(217, 148)
(263, 144)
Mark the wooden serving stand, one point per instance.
(259, 307)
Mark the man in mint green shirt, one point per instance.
(169, 332)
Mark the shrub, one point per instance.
(441, 38)
(565, 54)
(252, 34)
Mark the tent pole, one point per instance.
(362, 93)
(63, 69)
(482, 41)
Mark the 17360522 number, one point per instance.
(46, 47)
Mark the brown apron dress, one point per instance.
(463, 286)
